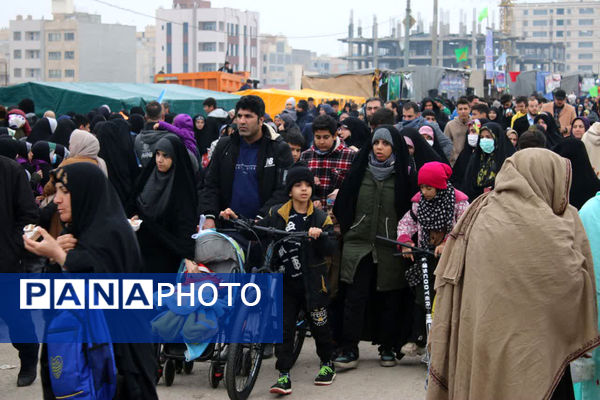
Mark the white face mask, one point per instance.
(472, 139)
(430, 142)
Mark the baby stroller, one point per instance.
(220, 254)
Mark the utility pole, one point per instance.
(434, 35)
(474, 41)
(194, 47)
(375, 44)
(407, 24)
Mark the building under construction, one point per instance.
(388, 52)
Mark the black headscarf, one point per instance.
(404, 185)
(97, 118)
(424, 153)
(40, 131)
(585, 184)
(498, 119)
(155, 196)
(62, 134)
(116, 151)
(503, 149)
(136, 122)
(105, 240)
(203, 138)
(46, 156)
(552, 136)
(8, 147)
(360, 132)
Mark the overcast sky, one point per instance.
(295, 19)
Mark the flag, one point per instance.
(501, 61)
(462, 54)
(594, 91)
(161, 95)
(483, 14)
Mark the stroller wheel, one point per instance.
(215, 374)
(188, 366)
(169, 372)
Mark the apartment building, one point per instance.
(194, 37)
(569, 22)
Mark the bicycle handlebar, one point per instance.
(250, 225)
(408, 246)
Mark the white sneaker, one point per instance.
(409, 349)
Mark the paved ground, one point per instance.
(404, 381)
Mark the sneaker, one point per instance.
(387, 358)
(326, 375)
(346, 360)
(283, 385)
(409, 349)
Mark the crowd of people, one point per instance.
(492, 189)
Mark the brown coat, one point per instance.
(516, 293)
(566, 117)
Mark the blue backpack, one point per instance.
(79, 367)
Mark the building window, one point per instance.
(17, 54)
(568, 56)
(207, 67)
(33, 35)
(221, 47)
(560, 11)
(525, 23)
(540, 22)
(540, 12)
(69, 55)
(69, 73)
(560, 22)
(587, 10)
(207, 46)
(17, 73)
(586, 45)
(221, 26)
(585, 68)
(237, 30)
(540, 34)
(32, 73)
(560, 33)
(207, 26)
(17, 36)
(54, 55)
(69, 36)
(54, 73)
(525, 12)
(54, 36)
(586, 33)
(32, 54)
(585, 56)
(586, 22)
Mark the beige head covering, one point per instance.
(515, 288)
(84, 144)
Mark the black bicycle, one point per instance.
(244, 359)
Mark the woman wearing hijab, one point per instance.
(585, 183)
(42, 130)
(44, 157)
(166, 202)
(8, 147)
(103, 243)
(83, 144)
(64, 128)
(116, 151)
(373, 197)
(495, 115)
(136, 123)
(579, 127)
(423, 152)
(97, 118)
(549, 124)
(354, 132)
(441, 118)
(493, 147)
(516, 294)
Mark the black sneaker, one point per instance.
(387, 358)
(348, 359)
(326, 375)
(283, 385)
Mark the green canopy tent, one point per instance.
(81, 97)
